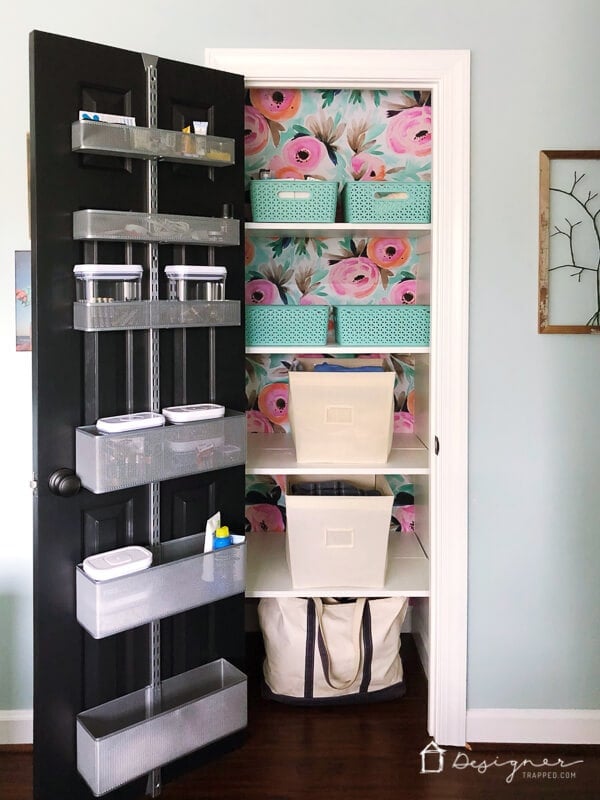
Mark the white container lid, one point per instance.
(191, 413)
(130, 422)
(195, 272)
(115, 563)
(107, 271)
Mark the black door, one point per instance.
(81, 376)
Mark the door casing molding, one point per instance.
(447, 74)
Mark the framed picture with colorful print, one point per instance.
(569, 257)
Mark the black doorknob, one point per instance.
(64, 482)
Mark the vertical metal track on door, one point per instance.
(153, 787)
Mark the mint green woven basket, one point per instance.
(286, 325)
(275, 200)
(406, 326)
(387, 201)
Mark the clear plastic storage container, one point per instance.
(108, 283)
(187, 282)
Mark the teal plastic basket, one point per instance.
(293, 201)
(406, 326)
(387, 201)
(286, 325)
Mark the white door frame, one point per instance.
(447, 74)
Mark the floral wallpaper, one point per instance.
(267, 391)
(339, 135)
(331, 271)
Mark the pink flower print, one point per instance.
(405, 515)
(389, 253)
(256, 422)
(273, 402)
(281, 481)
(305, 153)
(265, 517)
(276, 104)
(366, 167)
(313, 300)
(354, 277)
(410, 131)
(281, 169)
(256, 131)
(404, 422)
(403, 293)
(261, 292)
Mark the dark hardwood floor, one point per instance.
(358, 753)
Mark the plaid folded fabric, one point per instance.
(331, 488)
(325, 367)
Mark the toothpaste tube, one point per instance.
(115, 119)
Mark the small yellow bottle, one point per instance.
(222, 537)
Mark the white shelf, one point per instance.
(332, 229)
(275, 454)
(337, 349)
(268, 574)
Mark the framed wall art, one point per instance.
(569, 258)
(23, 299)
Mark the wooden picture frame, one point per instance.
(569, 231)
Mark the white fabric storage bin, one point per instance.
(341, 418)
(338, 541)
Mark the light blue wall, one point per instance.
(534, 424)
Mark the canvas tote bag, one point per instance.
(325, 651)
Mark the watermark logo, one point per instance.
(432, 761)
(432, 758)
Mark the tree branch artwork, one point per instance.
(569, 299)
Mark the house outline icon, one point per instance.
(432, 749)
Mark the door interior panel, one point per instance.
(78, 377)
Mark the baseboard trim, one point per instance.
(16, 727)
(534, 725)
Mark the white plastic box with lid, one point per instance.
(192, 282)
(108, 283)
(338, 540)
(344, 417)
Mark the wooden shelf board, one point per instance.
(333, 229)
(268, 575)
(275, 454)
(337, 349)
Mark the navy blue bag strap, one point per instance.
(357, 627)
(367, 632)
(309, 656)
